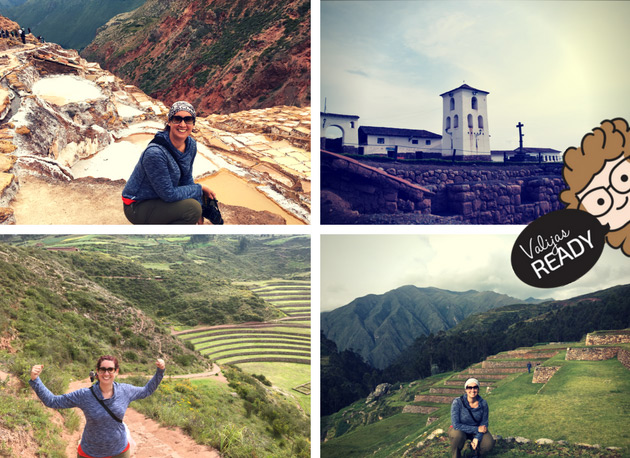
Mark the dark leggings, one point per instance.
(458, 439)
(156, 211)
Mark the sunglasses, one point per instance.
(106, 369)
(187, 119)
(472, 387)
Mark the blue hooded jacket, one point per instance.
(462, 420)
(102, 436)
(163, 172)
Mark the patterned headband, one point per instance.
(181, 106)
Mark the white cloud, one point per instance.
(356, 265)
(558, 67)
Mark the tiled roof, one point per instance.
(395, 132)
(529, 150)
(336, 114)
(464, 86)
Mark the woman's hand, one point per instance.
(36, 370)
(208, 192)
(483, 429)
(473, 443)
(160, 364)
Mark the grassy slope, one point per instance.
(286, 376)
(585, 402)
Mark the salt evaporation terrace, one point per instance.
(247, 158)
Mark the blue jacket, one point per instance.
(461, 419)
(163, 173)
(102, 436)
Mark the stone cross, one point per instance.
(520, 136)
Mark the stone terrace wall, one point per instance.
(607, 339)
(591, 353)
(542, 374)
(623, 356)
(526, 354)
(419, 409)
(371, 190)
(490, 194)
(495, 364)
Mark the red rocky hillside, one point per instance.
(223, 56)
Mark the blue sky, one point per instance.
(560, 68)
(356, 265)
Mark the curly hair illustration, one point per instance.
(602, 149)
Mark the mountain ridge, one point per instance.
(222, 56)
(380, 327)
(80, 19)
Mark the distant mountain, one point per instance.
(223, 56)
(69, 23)
(380, 327)
(10, 3)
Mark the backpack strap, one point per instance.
(469, 410)
(104, 406)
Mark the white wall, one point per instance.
(468, 141)
(404, 144)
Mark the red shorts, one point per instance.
(82, 453)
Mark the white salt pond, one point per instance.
(118, 160)
(63, 89)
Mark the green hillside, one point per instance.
(70, 23)
(585, 402)
(380, 327)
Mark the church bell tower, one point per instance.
(465, 134)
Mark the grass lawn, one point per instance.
(585, 401)
(376, 439)
(286, 376)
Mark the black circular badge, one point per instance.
(558, 248)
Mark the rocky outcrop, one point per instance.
(379, 391)
(222, 56)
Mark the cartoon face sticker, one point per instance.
(598, 179)
(607, 196)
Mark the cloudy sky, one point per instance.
(356, 265)
(560, 68)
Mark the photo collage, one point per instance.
(324, 228)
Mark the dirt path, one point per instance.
(152, 440)
(41, 201)
(97, 201)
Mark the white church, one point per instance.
(465, 134)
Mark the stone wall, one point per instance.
(419, 409)
(615, 337)
(495, 370)
(489, 364)
(491, 194)
(474, 194)
(542, 374)
(623, 356)
(523, 354)
(467, 375)
(591, 353)
(370, 190)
